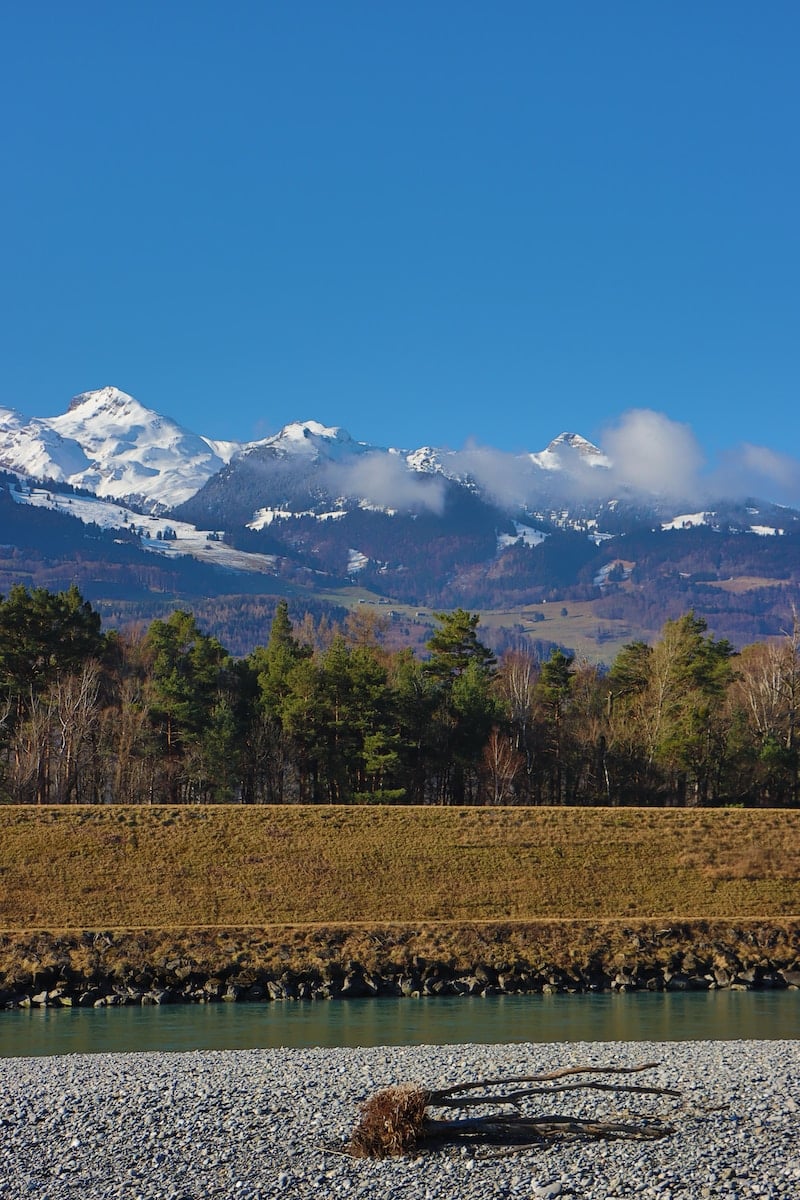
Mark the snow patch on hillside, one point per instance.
(356, 561)
(265, 516)
(689, 520)
(157, 534)
(618, 567)
(525, 534)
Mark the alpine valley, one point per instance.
(551, 546)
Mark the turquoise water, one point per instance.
(717, 1015)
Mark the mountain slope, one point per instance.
(111, 444)
(311, 509)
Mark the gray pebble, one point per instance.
(255, 1124)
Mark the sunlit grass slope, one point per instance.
(73, 868)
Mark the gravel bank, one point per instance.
(254, 1124)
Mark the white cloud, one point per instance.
(654, 455)
(385, 481)
(650, 455)
(750, 470)
(509, 480)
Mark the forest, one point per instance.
(323, 712)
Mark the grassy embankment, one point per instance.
(300, 886)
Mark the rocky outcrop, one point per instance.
(98, 970)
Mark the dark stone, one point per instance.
(355, 986)
(410, 985)
(88, 998)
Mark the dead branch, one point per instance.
(396, 1120)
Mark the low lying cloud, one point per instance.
(750, 470)
(646, 454)
(509, 480)
(654, 455)
(384, 480)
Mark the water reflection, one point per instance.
(717, 1015)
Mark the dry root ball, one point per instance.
(391, 1122)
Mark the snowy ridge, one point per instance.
(110, 444)
(311, 441)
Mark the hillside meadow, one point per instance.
(164, 867)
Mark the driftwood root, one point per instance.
(396, 1120)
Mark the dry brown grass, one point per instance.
(595, 638)
(743, 583)
(576, 947)
(128, 867)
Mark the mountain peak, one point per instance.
(574, 441)
(308, 430)
(106, 398)
(108, 442)
(427, 459)
(558, 452)
(310, 440)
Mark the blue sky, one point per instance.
(430, 223)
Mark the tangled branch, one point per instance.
(397, 1120)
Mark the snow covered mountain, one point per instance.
(131, 505)
(110, 444)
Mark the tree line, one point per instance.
(330, 715)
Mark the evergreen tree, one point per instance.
(455, 644)
(44, 634)
(461, 669)
(185, 684)
(413, 701)
(553, 692)
(272, 666)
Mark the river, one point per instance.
(716, 1015)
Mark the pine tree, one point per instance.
(461, 669)
(185, 683)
